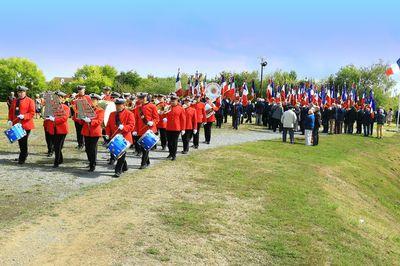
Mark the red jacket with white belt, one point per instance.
(60, 124)
(191, 118)
(127, 119)
(93, 129)
(143, 114)
(26, 108)
(201, 112)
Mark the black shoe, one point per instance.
(49, 154)
(207, 142)
(144, 166)
(16, 160)
(116, 175)
(92, 168)
(55, 166)
(196, 147)
(21, 162)
(79, 147)
(163, 148)
(169, 156)
(184, 152)
(173, 158)
(111, 162)
(138, 154)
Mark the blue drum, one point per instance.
(15, 133)
(148, 140)
(118, 145)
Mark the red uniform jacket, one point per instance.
(143, 114)
(26, 108)
(212, 117)
(60, 124)
(93, 129)
(160, 123)
(191, 118)
(127, 119)
(201, 112)
(107, 98)
(176, 119)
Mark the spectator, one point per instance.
(317, 124)
(380, 121)
(309, 126)
(389, 116)
(289, 120)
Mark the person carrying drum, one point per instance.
(92, 131)
(57, 128)
(146, 118)
(176, 121)
(121, 122)
(22, 110)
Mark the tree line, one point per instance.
(21, 71)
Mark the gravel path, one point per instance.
(73, 174)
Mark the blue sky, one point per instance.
(314, 38)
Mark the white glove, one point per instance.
(9, 123)
(106, 137)
(20, 117)
(195, 131)
(121, 127)
(165, 120)
(183, 132)
(203, 124)
(150, 123)
(134, 133)
(87, 119)
(51, 118)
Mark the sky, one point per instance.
(314, 38)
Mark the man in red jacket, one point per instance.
(57, 128)
(123, 122)
(146, 118)
(78, 124)
(161, 105)
(176, 121)
(201, 119)
(91, 130)
(22, 110)
(210, 119)
(190, 125)
(107, 94)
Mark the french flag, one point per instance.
(245, 92)
(394, 68)
(372, 100)
(224, 85)
(178, 85)
(232, 89)
(270, 89)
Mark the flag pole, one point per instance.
(398, 116)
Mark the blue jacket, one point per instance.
(309, 122)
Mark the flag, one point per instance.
(252, 91)
(188, 90)
(245, 92)
(178, 85)
(232, 89)
(394, 68)
(224, 86)
(270, 89)
(372, 100)
(196, 87)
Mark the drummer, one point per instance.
(22, 110)
(58, 129)
(91, 131)
(176, 120)
(190, 124)
(121, 121)
(146, 118)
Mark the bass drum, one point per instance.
(108, 107)
(213, 91)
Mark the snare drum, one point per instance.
(148, 140)
(118, 145)
(15, 133)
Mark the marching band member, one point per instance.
(121, 121)
(161, 125)
(78, 125)
(47, 124)
(22, 110)
(201, 119)
(210, 119)
(190, 124)
(106, 94)
(58, 129)
(176, 121)
(91, 130)
(146, 118)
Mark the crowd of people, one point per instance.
(171, 117)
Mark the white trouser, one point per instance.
(308, 135)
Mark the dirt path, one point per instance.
(117, 223)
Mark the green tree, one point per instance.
(94, 77)
(20, 71)
(127, 81)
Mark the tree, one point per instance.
(95, 77)
(16, 71)
(127, 81)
